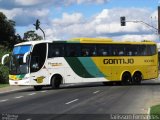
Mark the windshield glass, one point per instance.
(21, 49)
(16, 65)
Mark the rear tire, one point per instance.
(38, 87)
(137, 78)
(126, 79)
(55, 82)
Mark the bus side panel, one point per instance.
(114, 67)
(82, 69)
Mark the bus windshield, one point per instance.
(16, 64)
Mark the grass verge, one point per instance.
(3, 85)
(155, 112)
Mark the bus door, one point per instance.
(38, 69)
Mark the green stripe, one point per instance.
(90, 66)
(20, 76)
(78, 67)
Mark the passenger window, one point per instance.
(56, 50)
(118, 50)
(142, 50)
(153, 49)
(72, 50)
(88, 50)
(103, 50)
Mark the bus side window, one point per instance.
(130, 53)
(115, 52)
(72, 50)
(93, 52)
(142, 50)
(56, 53)
(151, 49)
(72, 53)
(55, 50)
(85, 52)
(102, 50)
(121, 52)
(88, 50)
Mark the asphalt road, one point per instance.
(77, 102)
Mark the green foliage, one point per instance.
(3, 85)
(8, 39)
(31, 36)
(7, 32)
(4, 71)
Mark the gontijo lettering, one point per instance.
(118, 61)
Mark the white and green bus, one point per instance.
(43, 63)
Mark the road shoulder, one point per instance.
(12, 88)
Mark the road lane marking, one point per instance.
(43, 91)
(149, 109)
(32, 94)
(29, 119)
(4, 100)
(19, 97)
(96, 92)
(71, 101)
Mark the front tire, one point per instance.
(55, 82)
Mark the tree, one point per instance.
(7, 32)
(31, 35)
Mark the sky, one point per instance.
(66, 19)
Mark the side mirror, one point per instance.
(3, 58)
(25, 57)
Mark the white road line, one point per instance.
(71, 101)
(43, 91)
(29, 119)
(96, 92)
(19, 97)
(4, 100)
(32, 94)
(149, 109)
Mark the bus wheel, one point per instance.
(126, 78)
(38, 87)
(137, 78)
(56, 81)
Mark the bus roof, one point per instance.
(92, 40)
(108, 40)
(34, 42)
(87, 40)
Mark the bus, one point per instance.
(52, 63)
(158, 46)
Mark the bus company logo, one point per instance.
(55, 64)
(39, 79)
(118, 61)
